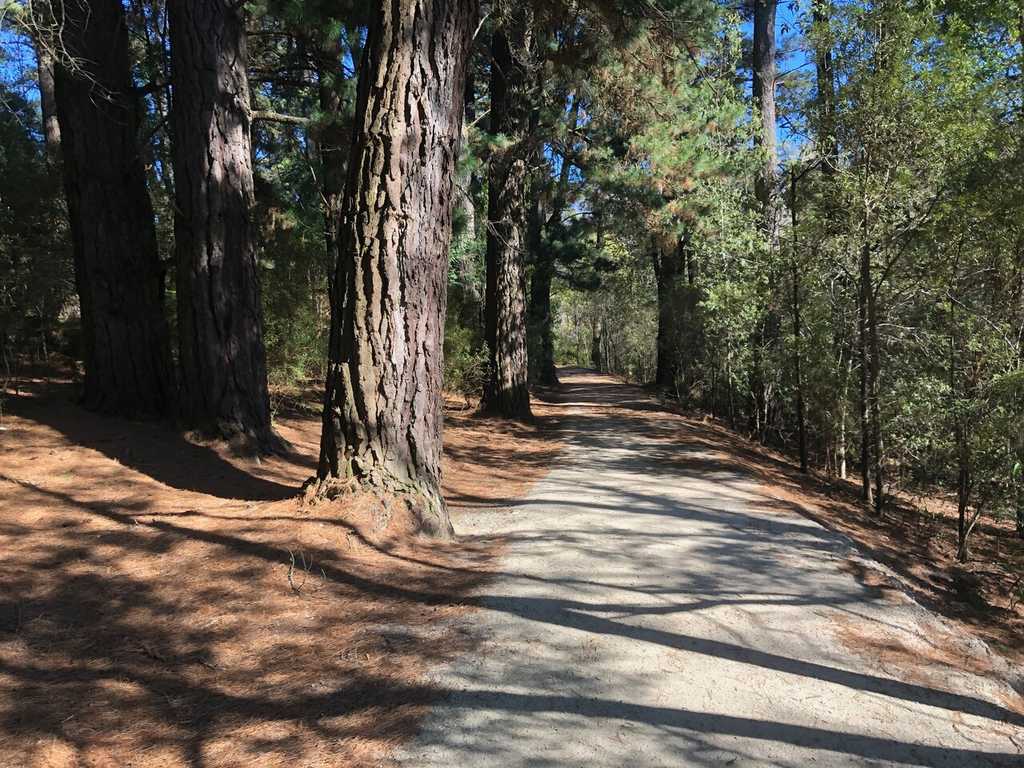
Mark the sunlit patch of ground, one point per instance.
(166, 603)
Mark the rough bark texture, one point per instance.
(223, 363)
(126, 346)
(507, 388)
(382, 409)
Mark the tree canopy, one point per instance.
(802, 218)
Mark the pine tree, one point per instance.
(120, 282)
(382, 413)
(220, 323)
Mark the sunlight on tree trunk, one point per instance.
(382, 411)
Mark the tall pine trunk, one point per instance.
(801, 418)
(48, 100)
(382, 407)
(542, 351)
(667, 258)
(764, 70)
(763, 92)
(507, 389)
(223, 362)
(542, 356)
(332, 147)
(826, 84)
(863, 347)
(874, 396)
(125, 340)
(333, 133)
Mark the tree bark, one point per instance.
(332, 141)
(542, 356)
(542, 351)
(382, 410)
(223, 362)
(48, 101)
(865, 367)
(797, 331)
(826, 85)
(764, 71)
(507, 389)
(961, 434)
(669, 267)
(763, 67)
(874, 398)
(125, 339)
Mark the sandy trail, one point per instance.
(654, 609)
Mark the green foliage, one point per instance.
(465, 359)
(617, 321)
(645, 151)
(36, 284)
(296, 313)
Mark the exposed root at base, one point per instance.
(385, 511)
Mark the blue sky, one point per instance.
(18, 59)
(793, 58)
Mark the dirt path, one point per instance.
(656, 609)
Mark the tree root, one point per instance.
(425, 506)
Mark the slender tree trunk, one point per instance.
(874, 397)
(842, 419)
(669, 260)
(542, 353)
(826, 84)
(223, 362)
(465, 292)
(797, 332)
(543, 358)
(333, 143)
(1019, 480)
(763, 92)
(382, 406)
(468, 182)
(126, 345)
(148, 15)
(963, 496)
(964, 483)
(48, 101)
(507, 388)
(764, 71)
(865, 364)
(596, 350)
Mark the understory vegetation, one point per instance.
(803, 219)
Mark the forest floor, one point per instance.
(661, 596)
(166, 603)
(660, 602)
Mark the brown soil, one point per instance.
(164, 602)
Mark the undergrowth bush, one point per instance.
(465, 360)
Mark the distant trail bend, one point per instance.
(654, 609)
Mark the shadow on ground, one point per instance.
(274, 636)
